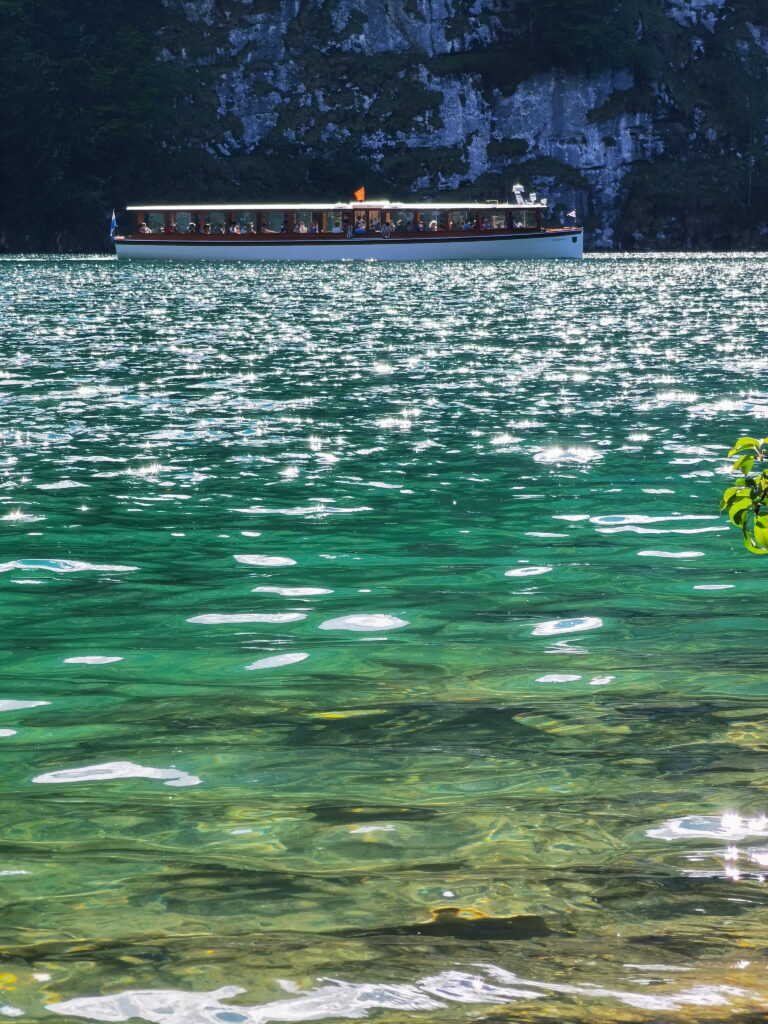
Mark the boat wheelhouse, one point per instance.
(371, 229)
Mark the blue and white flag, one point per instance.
(113, 227)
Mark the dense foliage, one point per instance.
(746, 502)
(115, 101)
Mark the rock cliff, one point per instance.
(650, 117)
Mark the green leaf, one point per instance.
(750, 545)
(732, 494)
(761, 531)
(728, 496)
(744, 464)
(744, 442)
(738, 511)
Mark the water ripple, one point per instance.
(557, 626)
(118, 770)
(364, 623)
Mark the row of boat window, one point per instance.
(345, 223)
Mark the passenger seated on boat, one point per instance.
(192, 228)
(336, 229)
(419, 225)
(484, 224)
(206, 229)
(410, 226)
(360, 226)
(251, 227)
(468, 225)
(284, 228)
(433, 225)
(301, 227)
(314, 228)
(234, 229)
(144, 229)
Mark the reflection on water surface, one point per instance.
(380, 651)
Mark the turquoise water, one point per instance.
(373, 646)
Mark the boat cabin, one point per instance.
(339, 220)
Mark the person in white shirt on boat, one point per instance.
(144, 229)
(301, 227)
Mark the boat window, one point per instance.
(314, 221)
(270, 221)
(155, 222)
(301, 221)
(433, 220)
(526, 218)
(247, 219)
(217, 222)
(176, 222)
(459, 218)
(403, 220)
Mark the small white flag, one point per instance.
(571, 214)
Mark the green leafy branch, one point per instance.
(747, 501)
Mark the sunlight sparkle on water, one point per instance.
(398, 643)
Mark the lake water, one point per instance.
(373, 646)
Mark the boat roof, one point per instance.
(369, 204)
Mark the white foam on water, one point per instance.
(62, 485)
(670, 554)
(17, 705)
(575, 456)
(118, 770)
(529, 570)
(91, 659)
(337, 999)
(729, 827)
(264, 560)
(556, 626)
(292, 591)
(277, 661)
(277, 618)
(364, 623)
(62, 565)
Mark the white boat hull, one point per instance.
(568, 243)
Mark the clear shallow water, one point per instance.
(373, 646)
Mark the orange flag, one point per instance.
(360, 195)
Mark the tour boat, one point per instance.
(360, 230)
